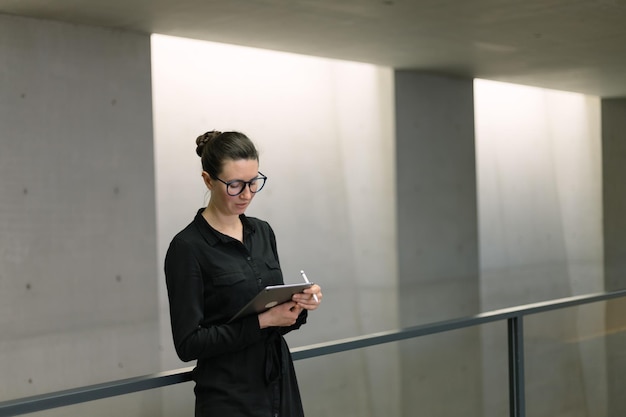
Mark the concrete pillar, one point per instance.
(614, 196)
(437, 241)
(614, 207)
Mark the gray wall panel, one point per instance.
(78, 294)
(437, 241)
(614, 199)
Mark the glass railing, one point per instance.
(520, 374)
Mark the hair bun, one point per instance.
(202, 140)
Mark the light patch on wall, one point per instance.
(539, 179)
(322, 127)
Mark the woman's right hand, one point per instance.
(282, 315)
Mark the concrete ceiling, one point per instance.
(571, 45)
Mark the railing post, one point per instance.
(516, 367)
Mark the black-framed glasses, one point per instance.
(236, 187)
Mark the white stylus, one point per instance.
(308, 282)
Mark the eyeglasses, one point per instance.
(236, 187)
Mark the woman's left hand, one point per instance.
(307, 299)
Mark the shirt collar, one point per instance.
(212, 236)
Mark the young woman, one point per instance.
(216, 265)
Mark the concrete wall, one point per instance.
(82, 298)
(614, 196)
(78, 295)
(540, 216)
(325, 134)
(614, 199)
(437, 241)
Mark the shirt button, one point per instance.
(249, 258)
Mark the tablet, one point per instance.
(269, 297)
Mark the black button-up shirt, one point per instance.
(242, 370)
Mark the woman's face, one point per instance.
(241, 169)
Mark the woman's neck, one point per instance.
(229, 225)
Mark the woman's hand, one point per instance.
(310, 298)
(286, 314)
(282, 315)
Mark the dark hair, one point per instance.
(215, 147)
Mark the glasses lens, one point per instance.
(235, 187)
(256, 184)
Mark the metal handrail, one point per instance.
(513, 315)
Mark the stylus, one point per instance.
(308, 282)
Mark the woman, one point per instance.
(216, 265)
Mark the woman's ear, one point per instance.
(207, 180)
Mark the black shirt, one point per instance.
(242, 370)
